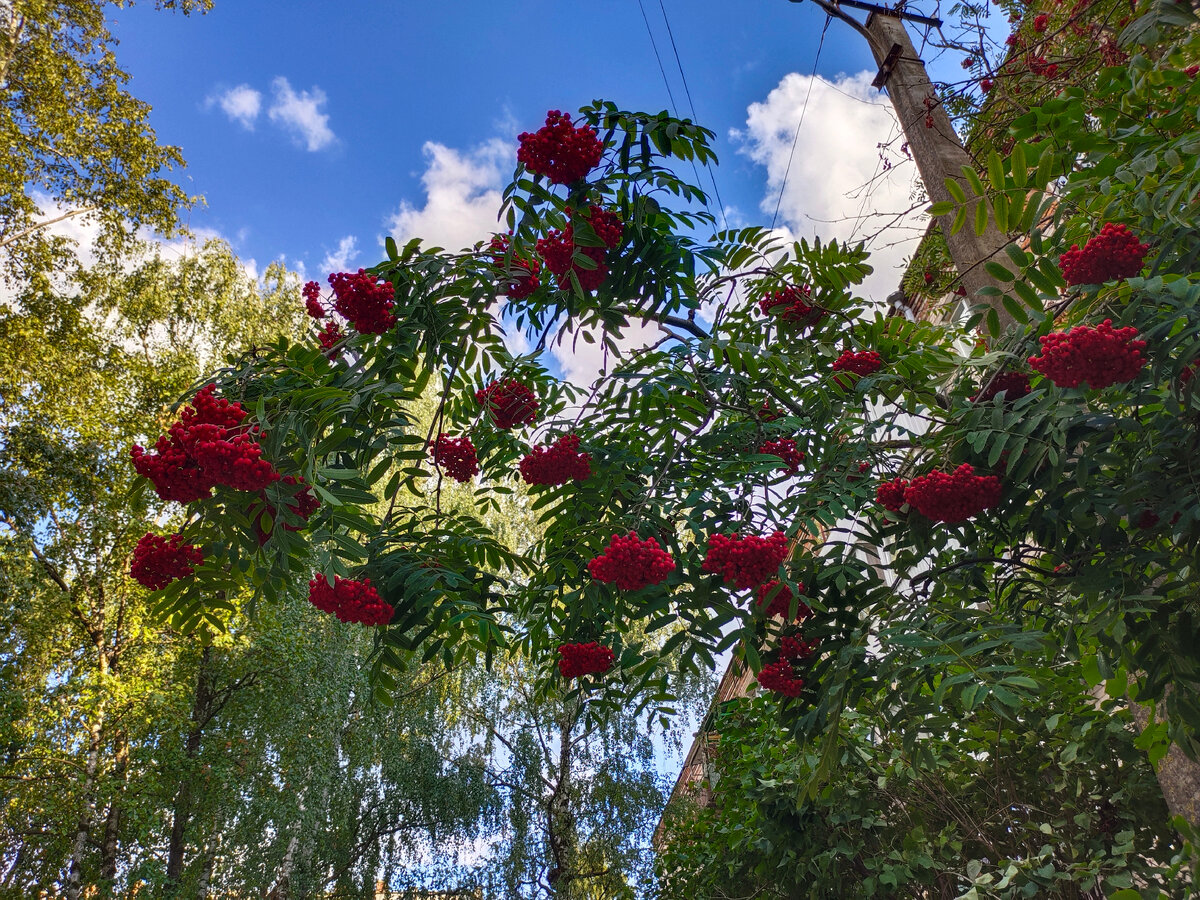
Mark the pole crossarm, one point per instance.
(834, 9)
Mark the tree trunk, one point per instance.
(283, 885)
(112, 820)
(182, 811)
(10, 29)
(74, 886)
(560, 822)
(210, 863)
(1178, 776)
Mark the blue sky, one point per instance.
(310, 127)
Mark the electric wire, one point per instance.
(654, 44)
(670, 93)
(803, 109)
(691, 105)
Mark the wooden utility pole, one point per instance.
(935, 146)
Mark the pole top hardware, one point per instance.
(896, 12)
(885, 68)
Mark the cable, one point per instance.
(695, 118)
(671, 96)
(803, 110)
(654, 44)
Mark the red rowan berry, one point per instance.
(953, 497)
(745, 561)
(1111, 255)
(509, 403)
(157, 561)
(559, 150)
(584, 659)
(349, 600)
(557, 463)
(632, 564)
(457, 456)
(1098, 356)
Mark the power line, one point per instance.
(654, 44)
(803, 109)
(695, 118)
(671, 96)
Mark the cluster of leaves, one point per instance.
(672, 431)
(1047, 800)
(77, 143)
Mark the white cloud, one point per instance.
(338, 260)
(242, 104)
(300, 113)
(462, 196)
(581, 362)
(837, 185)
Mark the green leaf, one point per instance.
(973, 179)
(960, 219)
(1015, 309)
(995, 167)
(998, 271)
(993, 322)
(1018, 256)
(1020, 168)
(956, 190)
(981, 216)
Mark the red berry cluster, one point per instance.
(632, 564)
(559, 150)
(208, 446)
(861, 362)
(745, 562)
(797, 648)
(1111, 255)
(157, 561)
(781, 678)
(312, 300)
(557, 463)
(234, 461)
(1040, 23)
(767, 413)
(1014, 385)
(890, 494)
(304, 504)
(510, 403)
(362, 300)
(791, 306)
(953, 497)
(1100, 356)
(457, 456)
(583, 659)
(329, 336)
(558, 249)
(1146, 519)
(1039, 66)
(605, 223)
(786, 450)
(775, 599)
(863, 469)
(349, 600)
(520, 275)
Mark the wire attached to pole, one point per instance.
(803, 109)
